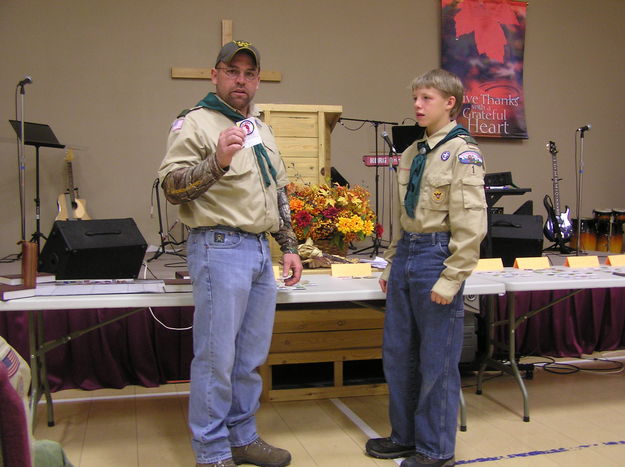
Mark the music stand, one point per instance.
(38, 135)
(405, 135)
(376, 123)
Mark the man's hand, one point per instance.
(291, 268)
(383, 284)
(230, 141)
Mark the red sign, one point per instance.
(483, 43)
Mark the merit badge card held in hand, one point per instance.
(252, 135)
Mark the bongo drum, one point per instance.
(588, 238)
(616, 240)
(603, 227)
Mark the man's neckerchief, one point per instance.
(418, 164)
(212, 102)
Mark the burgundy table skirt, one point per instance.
(135, 350)
(138, 350)
(592, 320)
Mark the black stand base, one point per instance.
(375, 248)
(560, 247)
(161, 250)
(164, 242)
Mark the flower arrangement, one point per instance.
(335, 213)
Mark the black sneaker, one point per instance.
(419, 460)
(386, 448)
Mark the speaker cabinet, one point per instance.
(93, 249)
(516, 236)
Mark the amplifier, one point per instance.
(93, 249)
(516, 236)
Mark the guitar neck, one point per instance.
(556, 185)
(70, 181)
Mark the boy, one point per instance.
(440, 207)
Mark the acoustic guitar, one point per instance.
(70, 207)
(558, 227)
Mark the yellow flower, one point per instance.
(336, 212)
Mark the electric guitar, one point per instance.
(70, 207)
(558, 227)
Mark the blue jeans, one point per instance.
(234, 291)
(422, 347)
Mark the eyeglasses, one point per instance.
(234, 73)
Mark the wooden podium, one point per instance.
(302, 133)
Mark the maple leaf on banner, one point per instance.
(484, 18)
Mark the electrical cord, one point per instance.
(351, 129)
(145, 272)
(566, 368)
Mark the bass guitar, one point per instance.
(70, 207)
(558, 227)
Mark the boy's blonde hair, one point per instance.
(445, 82)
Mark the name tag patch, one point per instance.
(470, 157)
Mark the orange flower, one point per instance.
(337, 213)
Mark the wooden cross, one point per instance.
(205, 73)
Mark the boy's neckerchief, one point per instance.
(212, 102)
(418, 164)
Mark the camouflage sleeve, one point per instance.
(285, 236)
(188, 183)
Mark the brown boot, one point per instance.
(262, 454)
(223, 463)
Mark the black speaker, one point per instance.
(516, 236)
(93, 249)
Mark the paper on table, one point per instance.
(99, 288)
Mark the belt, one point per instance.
(228, 229)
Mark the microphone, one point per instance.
(388, 141)
(27, 80)
(586, 127)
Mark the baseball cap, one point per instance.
(228, 51)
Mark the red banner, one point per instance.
(483, 43)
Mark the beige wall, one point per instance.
(101, 81)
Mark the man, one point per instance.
(230, 194)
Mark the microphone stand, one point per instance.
(391, 152)
(164, 242)
(580, 177)
(21, 164)
(376, 241)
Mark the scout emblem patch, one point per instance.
(437, 196)
(445, 155)
(470, 157)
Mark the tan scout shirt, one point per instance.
(451, 199)
(237, 199)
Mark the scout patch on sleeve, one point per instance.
(177, 125)
(470, 157)
(445, 155)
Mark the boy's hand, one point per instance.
(436, 298)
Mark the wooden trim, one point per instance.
(299, 394)
(205, 73)
(226, 31)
